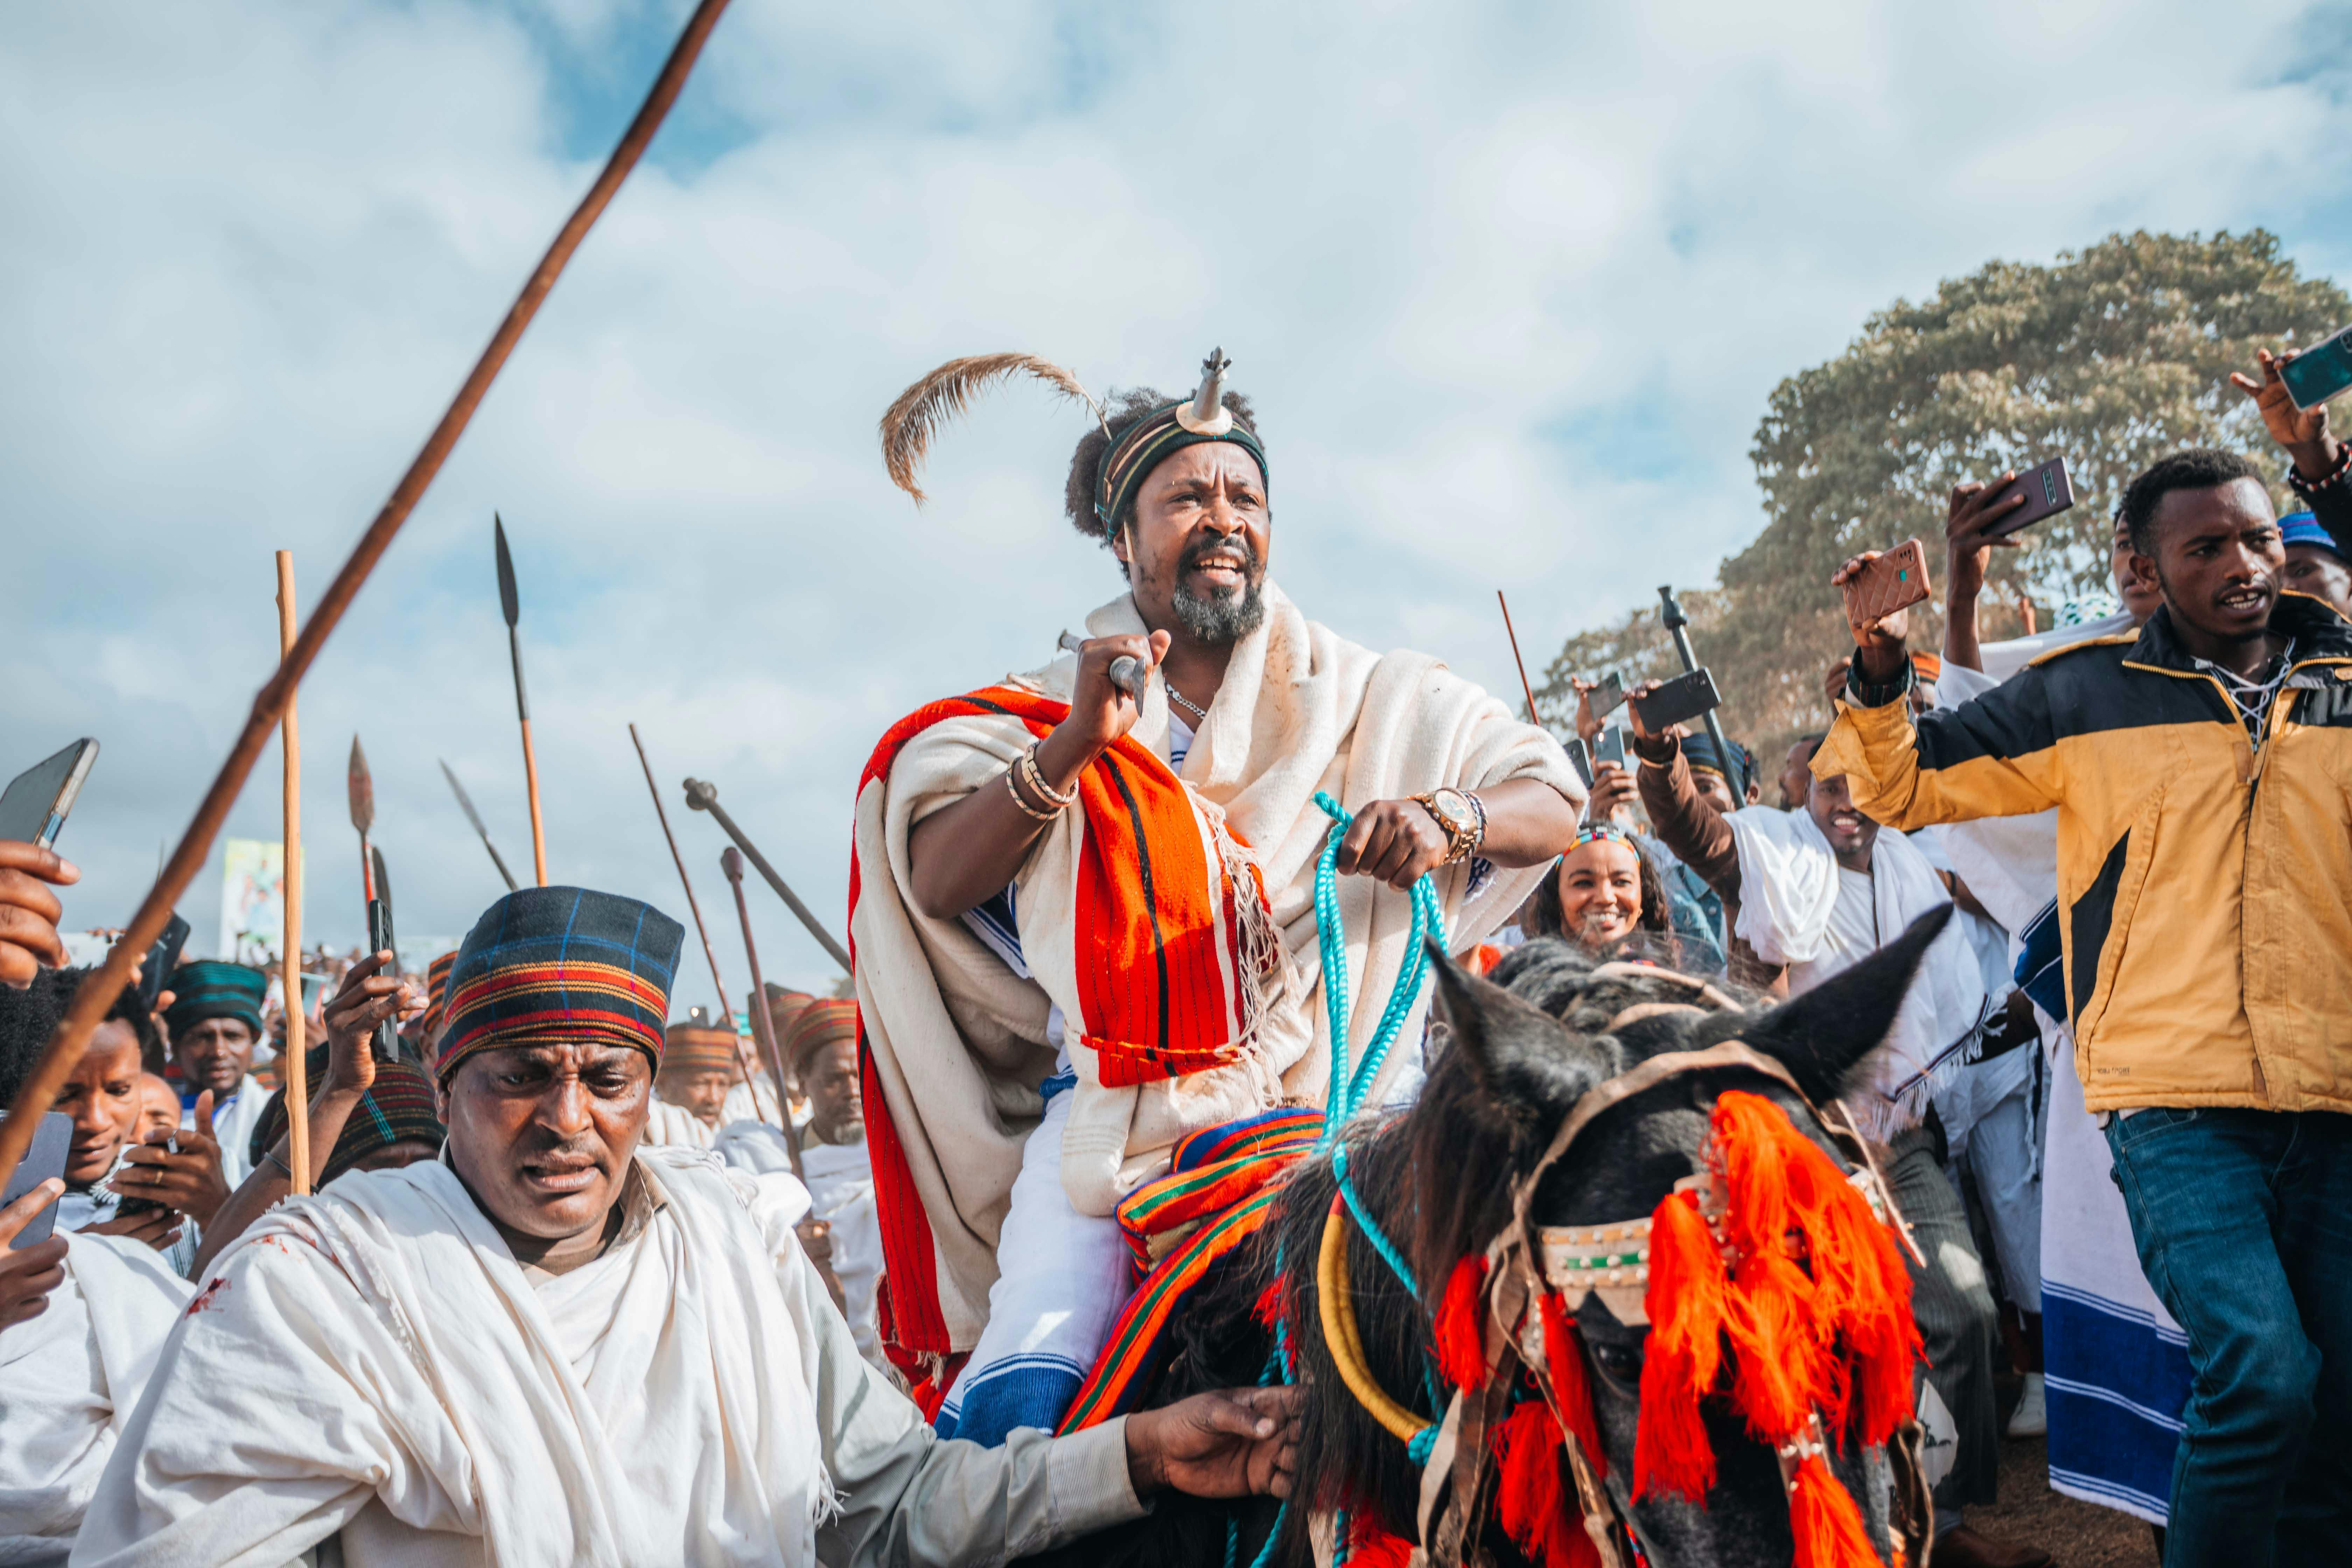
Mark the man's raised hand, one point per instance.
(368, 997)
(29, 911)
(1968, 549)
(1237, 1442)
(2303, 432)
(189, 1178)
(27, 1276)
(1099, 711)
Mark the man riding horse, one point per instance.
(1083, 908)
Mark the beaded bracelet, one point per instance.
(1037, 780)
(2343, 464)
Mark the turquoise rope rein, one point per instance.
(1347, 1093)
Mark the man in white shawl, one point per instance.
(552, 1346)
(820, 1052)
(1083, 907)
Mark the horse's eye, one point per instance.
(1621, 1363)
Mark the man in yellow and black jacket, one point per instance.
(2202, 774)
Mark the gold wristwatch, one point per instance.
(1459, 813)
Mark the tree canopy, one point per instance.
(2110, 357)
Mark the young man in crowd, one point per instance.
(83, 1314)
(214, 1021)
(822, 1052)
(2204, 842)
(556, 1346)
(1808, 891)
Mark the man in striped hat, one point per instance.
(822, 1051)
(214, 1021)
(700, 1067)
(555, 1344)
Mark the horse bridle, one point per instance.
(1523, 1260)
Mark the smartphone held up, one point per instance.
(2319, 371)
(1894, 581)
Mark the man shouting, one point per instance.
(1085, 913)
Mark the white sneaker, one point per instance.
(2031, 1418)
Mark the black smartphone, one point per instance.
(52, 1140)
(1578, 758)
(1611, 746)
(1678, 700)
(1608, 695)
(386, 1044)
(2047, 492)
(34, 806)
(161, 959)
(2319, 371)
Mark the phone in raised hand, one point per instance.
(1894, 581)
(34, 806)
(2047, 490)
(2319, 371)
(1678, 700)
(1610, 747)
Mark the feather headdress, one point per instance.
(923, 408)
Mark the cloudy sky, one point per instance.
(1509, 282)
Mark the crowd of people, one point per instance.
(572, 1281)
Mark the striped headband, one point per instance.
(1597, 833)
(1168, 429)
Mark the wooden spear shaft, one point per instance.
(289, 740)
(763, 1026)
(1524, 687)
(710, 953)
(98, 991)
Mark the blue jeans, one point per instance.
(2243, 1224)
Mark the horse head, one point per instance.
(1550, 1026)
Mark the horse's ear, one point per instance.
(1523, 1060)
(1822, 1037)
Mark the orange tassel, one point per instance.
(1687, 1302)
(1268, 1310)
(1369, 1546)
(1564, 1356)
(1461, 1327)
(1827, 1525)
(1532, 1504)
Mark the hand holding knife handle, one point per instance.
(1126, 671)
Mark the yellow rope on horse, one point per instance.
(1335, 1303)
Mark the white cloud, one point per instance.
(1509, 285)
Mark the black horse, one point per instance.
(1524, 1047)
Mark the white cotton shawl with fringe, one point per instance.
(959, 1040)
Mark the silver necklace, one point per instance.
(1188, 706)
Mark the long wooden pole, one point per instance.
(297, 1073)
(763, 1025)
(1524, 687)
(98, 991)
(538, 830)
(710, 953)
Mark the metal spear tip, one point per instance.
(509, 604)
(361, 788)
(730, 861)
(700, 797)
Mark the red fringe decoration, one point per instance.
(1564, 1356)
(1825, 1522)
(1268, 1310)
(1534, 1506)
(1369, 1546)
(1686, 1302)
(1460, 1326)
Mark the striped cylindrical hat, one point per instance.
(437, 993)
(820, 1023)
(693, 1049)
(560, 963)
(396, 1109)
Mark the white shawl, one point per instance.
(959, 1039)
(68, 1379)
(373, 1360)
(1788, 887)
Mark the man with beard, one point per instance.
(822, 1054)
(555, 1345)
(214, 1021)
(1085, 923)
(2197, 768)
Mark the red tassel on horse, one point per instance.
(1826, 1523)
(1369, 1546)
(1687, 1302)
(1531, 1503)
(1564, 1358)
(1461, 1325)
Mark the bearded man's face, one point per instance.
(1196, 545)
